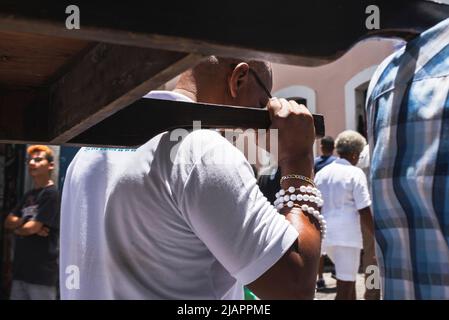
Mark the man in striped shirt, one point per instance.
(408, 119)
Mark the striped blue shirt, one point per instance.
(408, 120)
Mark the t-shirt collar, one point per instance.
(167, 95)
(343, 161)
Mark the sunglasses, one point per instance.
(260, 82)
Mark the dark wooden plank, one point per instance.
(294, 32)
(146, 118)
(105, 80)
(29, 60)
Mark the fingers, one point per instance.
(274, 106)
(285, 110)
(43, 232)
(297, 109)
(282, 108)
(296, 132)
(279, 107)
(294, 107)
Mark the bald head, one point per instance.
(227, 81)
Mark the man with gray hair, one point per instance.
(346, 206)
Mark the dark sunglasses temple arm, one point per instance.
(259, 81)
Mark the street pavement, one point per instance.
(331, 288)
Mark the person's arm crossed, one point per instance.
(31, 227)
(13, 222)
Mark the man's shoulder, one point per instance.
(327, 166)
(329, 160)
(30, 192)
(206, 136)
(51, 191)
(358, 172)
(326, 170)
(331, 163)
(319, 175)
(351, 172)
(201, 142)
(91, 157)
(325, 159)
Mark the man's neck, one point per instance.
(187, 93)
(42, 182)
(349, 159)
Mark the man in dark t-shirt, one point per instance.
(35, 221)
(327, 149)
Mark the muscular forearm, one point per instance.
(309, 240)
(308, 249)
(294, 275)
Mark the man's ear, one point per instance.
(238, 78)
(51, 165)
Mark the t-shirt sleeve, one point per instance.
(360, 192)
(225, 208)
(48, 208)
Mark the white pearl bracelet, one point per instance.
(313, 196)
(313, 212)
(303, 189)
(299, 197)
(281, 197)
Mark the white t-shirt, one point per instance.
(345, 191)
(168, 220)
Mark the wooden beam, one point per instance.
(294, 32)
(30, 60)
(105, 80)
(130, 127)
(23, 116)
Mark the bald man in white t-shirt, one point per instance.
(185, 219)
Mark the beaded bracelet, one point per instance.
(315, 213)
(299, 177)
(281, 196)
(303, 189)
(284, 200)
(298, 197)
(311, 211)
